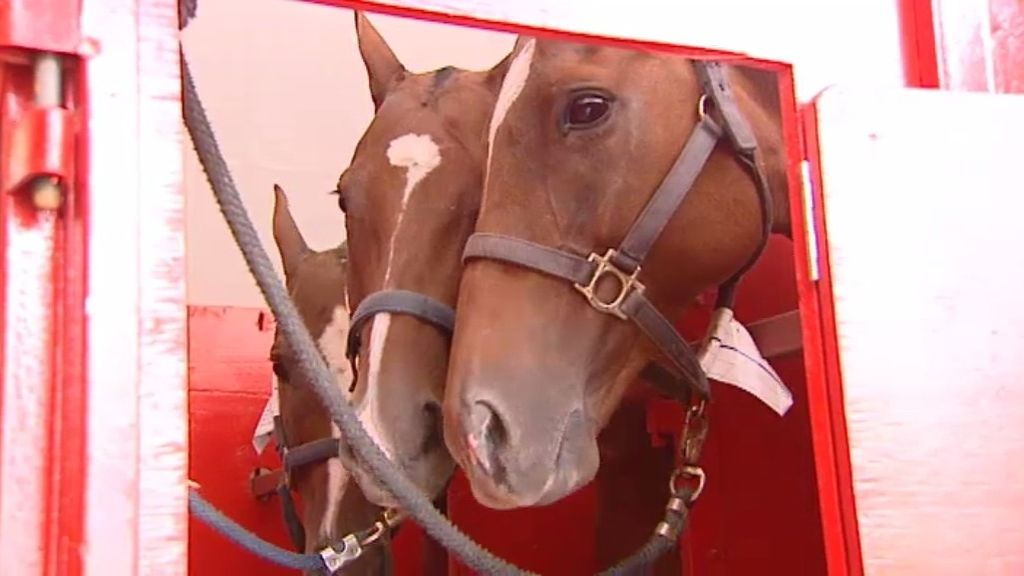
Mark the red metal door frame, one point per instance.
(974, 45)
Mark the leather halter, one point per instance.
(312, 452)
(624, 263)
(430, 310)
(414, 304)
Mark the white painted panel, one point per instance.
(922, 199)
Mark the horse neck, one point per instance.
(760, 89)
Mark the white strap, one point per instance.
(265, 427)
(730, 356)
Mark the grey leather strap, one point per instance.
(310, 453)
(421, 306)
(714, 85)
(531, 255)
(578, 271)
(292, 522)
(633, 249)
(669, 341)
(669, 195)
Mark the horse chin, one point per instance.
(429, 471)
(500, 496)
(501, 487)
(372, 489)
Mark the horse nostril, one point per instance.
(487, 436)
(434, 436)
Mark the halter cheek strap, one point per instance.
(624, 263)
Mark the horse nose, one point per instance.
(487, 438)
(433, 437)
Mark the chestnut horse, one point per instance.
(333, 507)
(586, 154)
(399, 221)
(410, 196)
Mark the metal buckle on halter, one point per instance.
(605, 267)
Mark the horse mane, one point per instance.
(764, 85)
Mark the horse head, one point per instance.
(411, 195)
(580, 139)
(332, 505)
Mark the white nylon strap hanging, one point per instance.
(265, 426)
(729, 355)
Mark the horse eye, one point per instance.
(279, 370)
(586, 111)
(341, 199)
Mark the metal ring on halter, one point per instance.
(702, 107)
(690, 471)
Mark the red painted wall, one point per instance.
(759, 513)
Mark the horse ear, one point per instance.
(382, 66)
(290, 243)
(496, 75)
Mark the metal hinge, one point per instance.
(42, 139)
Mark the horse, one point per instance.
(332, 506)
(431, 123)
(410, 196)
(600, 159)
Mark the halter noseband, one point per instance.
(426, 308)
(624, 263)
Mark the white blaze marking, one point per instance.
(369, 410)
(419, 155)
(332, 345)
(511, 88)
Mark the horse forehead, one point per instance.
(419, 154)
(434, 92)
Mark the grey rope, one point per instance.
(209, 515)
(311, 365)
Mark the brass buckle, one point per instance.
(605, 267)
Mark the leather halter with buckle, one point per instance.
(624, 262)
(414, 304)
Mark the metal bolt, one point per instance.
(47, 193)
